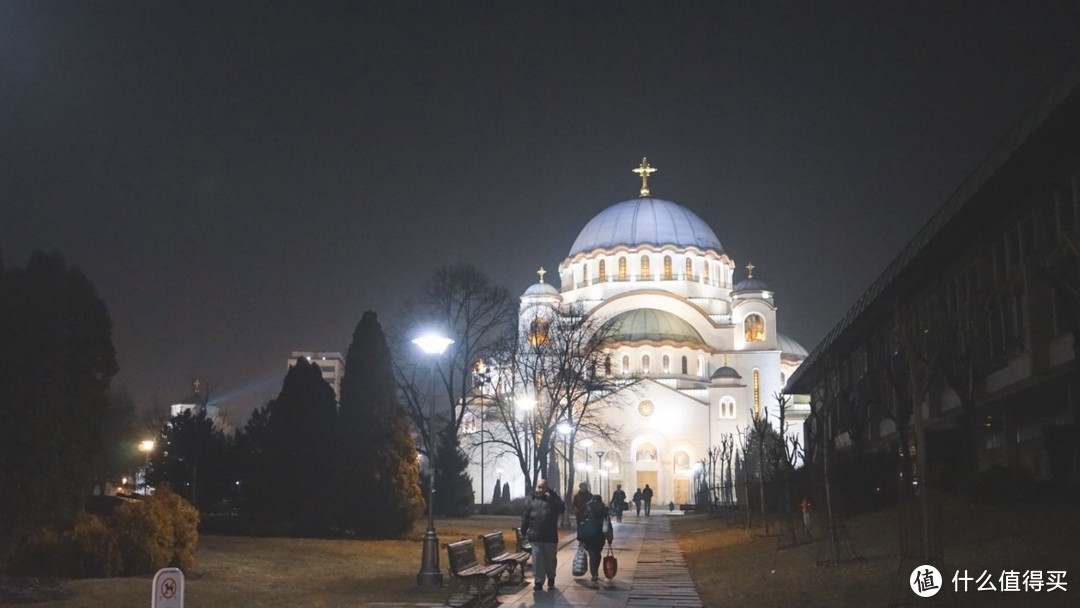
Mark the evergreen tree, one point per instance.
(289, 453)
(56, 362)
(379, 471)
(195, 458)
(506, 492)
(453, 486)
(496, 497)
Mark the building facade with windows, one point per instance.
(993, 280)
(331, 364)
(705, 346)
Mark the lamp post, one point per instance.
(146, 446)
(599, 466)
(429, 574)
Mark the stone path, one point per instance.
(652, 573)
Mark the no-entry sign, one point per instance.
(168, 591)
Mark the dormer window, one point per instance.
(667, 268)
(754, 328)
(603, 271)
(645, 272)
(622, 269)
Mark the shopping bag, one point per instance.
(610, 563)
(607, 526)
(580, 561)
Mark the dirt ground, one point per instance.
(733, 568)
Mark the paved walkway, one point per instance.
(652, 573)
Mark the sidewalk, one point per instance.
(652, 573)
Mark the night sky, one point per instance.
(244, 180)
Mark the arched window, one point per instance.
(645, 273)
(705, 272)
(645, 364)
(682, 460)
(667, 364)
(538, 331)
(646, 452)
(667, 268)
(684, 372)
(622, 269)
(757, 394)
(603, 271)
(607, 365)
(689, 269)
(727, 407)
(625, 365)
(585, 273)
(754, 327)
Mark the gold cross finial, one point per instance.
(644, 170)
(750, 270)
(196, 384)
(541, 272)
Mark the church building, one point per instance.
(707, 349)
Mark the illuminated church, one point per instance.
(707, 348)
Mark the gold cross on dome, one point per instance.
(541, 272)
(644, 170)
(750, 270)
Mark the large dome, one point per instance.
(650, 324)
(645, 221)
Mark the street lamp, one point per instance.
(599, 466)
(429, 574)
(146, 446)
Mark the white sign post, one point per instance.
(168, 589)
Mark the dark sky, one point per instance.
(245, 179)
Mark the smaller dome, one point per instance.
(791, 349)
(541, 289)
(650, 324)
(726, 373)
(751, 284)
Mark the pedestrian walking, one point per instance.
(540, 524)
(595, 530)
(646, 496)
(581, 498)
(637, 502)
(618, 502)
(805, 506)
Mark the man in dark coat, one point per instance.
(646, 495)
(540, 524)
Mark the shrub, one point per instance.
(158, 532)
(44, 552)
(95, 547)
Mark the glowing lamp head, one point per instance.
(433, 344)
(147, 445)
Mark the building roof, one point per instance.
(1049, 129)
(790, 348)
(541, 289)
(650, 324)
(751, 284)
(726, 372)
(645, 221)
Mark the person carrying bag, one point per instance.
(594, 531)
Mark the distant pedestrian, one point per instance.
(805, 506)
(646, 495)
(637, 502)
(540, 524)
(618, 502)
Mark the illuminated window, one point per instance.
(757, 395)
(645, 364)
(646, 453)
(754, 326)
(538, 331)
(603, 271)
(622, 269)
(705, 272)
(689, 269)
(645, 267)
(667, 364)
(684, 372)
(682, 460)
(585, 273)
(625, 365)
(667, 267)
(727, 407)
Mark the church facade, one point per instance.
(705, 348)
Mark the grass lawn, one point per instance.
(731, 568)
(272, 572)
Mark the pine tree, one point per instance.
(453, 486)
(506, 492)
(496, 496)
(379, 480)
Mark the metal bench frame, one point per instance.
(495, 553)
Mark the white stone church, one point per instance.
(708, 348)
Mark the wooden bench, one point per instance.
(521, 542)
(495, 553)
(469, 579)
